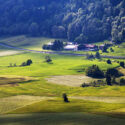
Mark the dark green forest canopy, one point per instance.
(81, 21)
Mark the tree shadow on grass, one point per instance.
(59, 119)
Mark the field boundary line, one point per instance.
(57, 52)
(28, 104)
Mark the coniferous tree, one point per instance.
(122, 64)
(65, 98)
(108, 79)
(29, 62)
(97, 55)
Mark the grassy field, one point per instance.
(33, 92)
(71, 80)
(12, 103)
(13, 80)
(59, 119)
(75, 105)
(62, 65)
(34, 43)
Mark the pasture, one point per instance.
(59, 119)
(34, 43)
(39, 89)
(12, 103)
(13, 80)
(71, 80)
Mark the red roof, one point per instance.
(90, 45)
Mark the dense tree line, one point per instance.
(110, 76)
(78, 20)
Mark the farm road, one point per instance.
(57, 52)
(117, 100)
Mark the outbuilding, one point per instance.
(71, 47)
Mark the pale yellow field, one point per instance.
(116, 100)
(70, 80)
(11, 103)
(9, 52)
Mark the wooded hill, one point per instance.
(78, 20)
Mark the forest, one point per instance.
(82, 21)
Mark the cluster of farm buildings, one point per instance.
(70, 46)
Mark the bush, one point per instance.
(29, 62)
(48, 59)
(112, 50)
(104, 50)
(95, 72)
(97, 55)
(46, 47)
(23, 64)
(90, 56)
(109, 61)
(122, 81)
(97, 83)
(122, 64)
(85, 85)
(113, 72)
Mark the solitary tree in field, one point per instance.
(48, 59)
(29, 62)
(109, 61)
(65, 98)
(112, 50)
(97, 55)
(108, 80)
(122, 64)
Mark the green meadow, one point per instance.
(25, 93)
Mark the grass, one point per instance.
(39, 70)
(59, 119)
(62, 65)
(15, 102)
(58, 106)
(8, 52)
(71, 80)
(12, 80)
(34, 43)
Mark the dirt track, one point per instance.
(57, 52)
(9, 52)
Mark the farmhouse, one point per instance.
(91, 47)
(101, 47)
(50, 43)
(71, 47)
(70, 43)
(88, 47)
